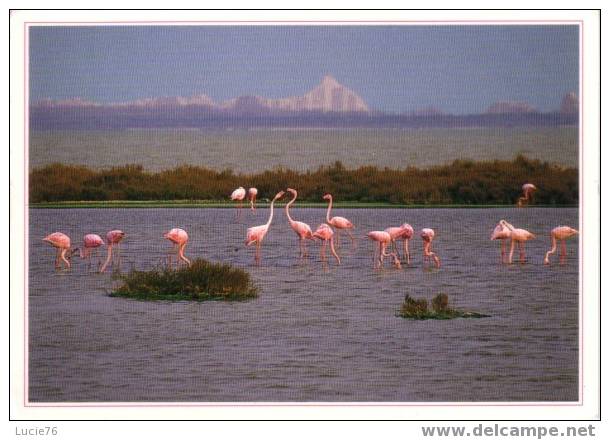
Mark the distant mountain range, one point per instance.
(329, 104)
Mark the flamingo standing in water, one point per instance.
(517, 236)
(338, 222)
(528, 191)
(427, 236)
(256, 234)
(238, 195)
(404, 232)
(301, 229)
(179, 238)
(90, 244)
(384, 239)
(61, 242)
(113, 238)
(325, 233)
(561, 233)
(502, 232)
(252, 192)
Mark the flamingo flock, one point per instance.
(327, 233)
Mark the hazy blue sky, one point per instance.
(460, 69)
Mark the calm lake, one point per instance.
(253, 151)
(317, 332)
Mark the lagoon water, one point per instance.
(316, 332)
(254, 151)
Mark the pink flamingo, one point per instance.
(528, 191)
(256, 234)
(384, 239)
(404, 232)
(502, 232)
(427, 236)
(179, 238)
(90, 244)
(338, 222)
(325, 233)
(113, 238)
(301, 229)
(252, 192)
(239, 195)
(561, 233)
(61, 242)
(517, 236)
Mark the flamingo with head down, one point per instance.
(252, 192)
(256, 234)
(61, 242)
(325, 233)
(502, 232)
(517, 236)
(384, 239)
(560, 233)
(404, 232)
(427, 236)
(179, 238)
(238, 195)
(338, 223)
(90, 244)
(113, 238)
(302, 230)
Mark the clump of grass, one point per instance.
(202, 281)
(418, 309)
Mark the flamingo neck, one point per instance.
(271, 213)
(330, 204)
(288, 205)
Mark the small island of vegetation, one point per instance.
(201, 281)
(418, 309)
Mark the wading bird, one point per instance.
(61, 242)
(561, 233)
(517, 236)
(502, 232)
(302, 230)
(384, 239)
(325, 233)
(238, 195)
(256, 234)
(528, 191)
(404, 232)
(113, 238)
(252, 192)
(427, 236)
(179, 238)
(90, 244)
(338, 223)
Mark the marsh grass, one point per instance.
(202, 281)
(418, 309)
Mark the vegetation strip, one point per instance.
(459, 183)
(418, 309)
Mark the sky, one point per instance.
(395, 69)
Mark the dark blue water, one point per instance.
(317, 332)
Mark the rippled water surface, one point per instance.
(317, 332)
(253, 151)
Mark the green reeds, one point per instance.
(418, 309)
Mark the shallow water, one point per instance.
(253, 151)
(317, 332)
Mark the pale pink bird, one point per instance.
(90, 244)
(427, 236)
(502, 232)
(61, 242)
(384, 239)
(113, 238)
(325, 233)
(528, 191)
(252, 192)
(256, 234)
(403, 232)
(517, 236)
(302, 230)
(238, 195)
(561, 233)
(338, 223)
(179, 238)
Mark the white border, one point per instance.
(491, 411)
